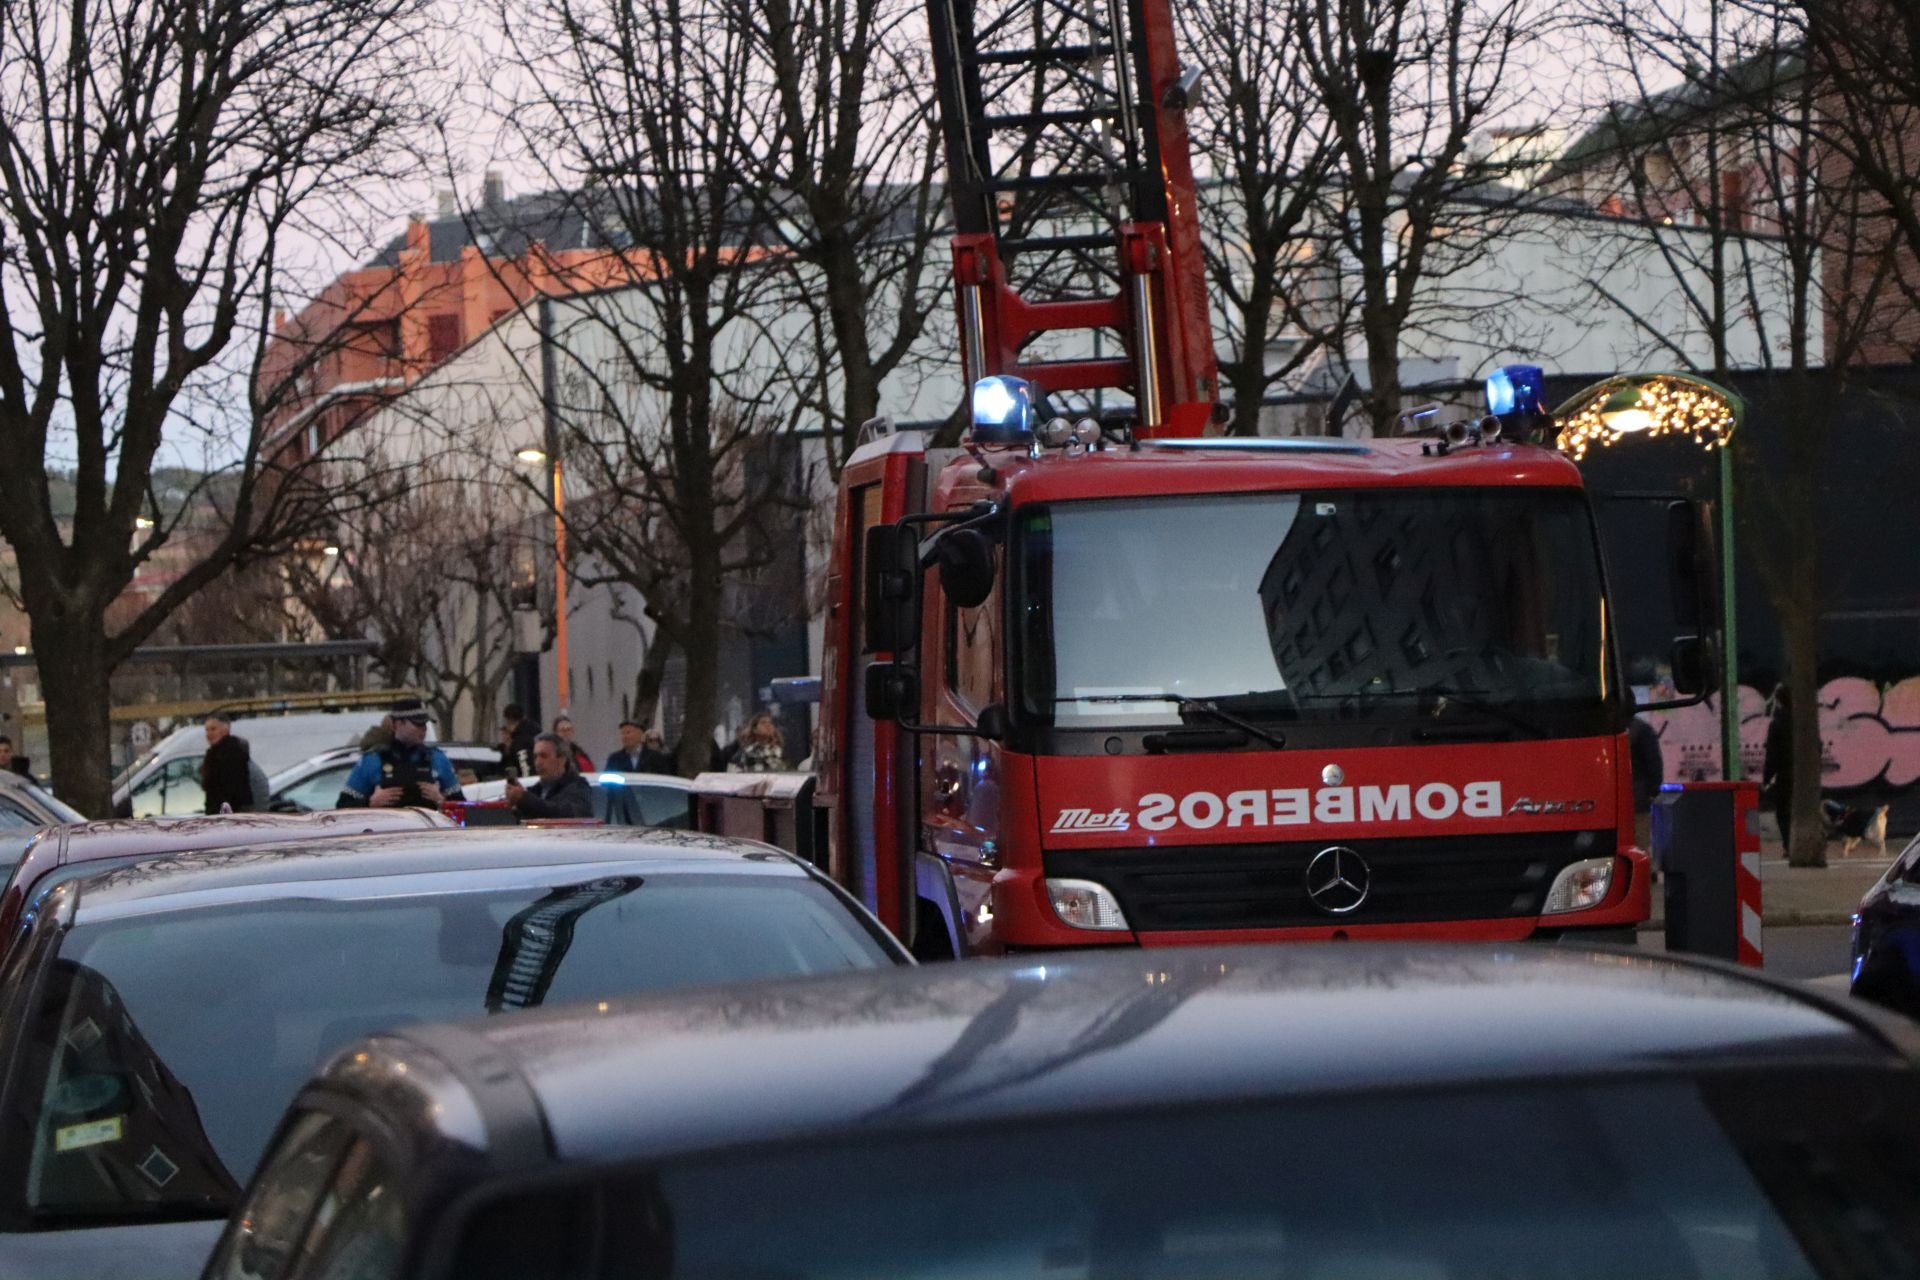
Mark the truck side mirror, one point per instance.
(1692, 664)
(1690, 566)
(1693, 575)
(965, 558)
(892, 588)
(893, 692)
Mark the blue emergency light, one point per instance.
(1516, 389)
(1003, 411)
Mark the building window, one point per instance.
(443, 336)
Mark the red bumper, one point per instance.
(1024, 918)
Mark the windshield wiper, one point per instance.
(1204, 706)
(1477, 701)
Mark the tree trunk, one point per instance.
(646, 686)
(1809, 834)
(75, 683)
(702, 709)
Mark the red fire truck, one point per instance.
(1095, 680)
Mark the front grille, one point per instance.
(1264, 886)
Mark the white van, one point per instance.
(166, 779)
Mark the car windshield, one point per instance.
(1310, 605)
(168, 1045)
(1569, 1182)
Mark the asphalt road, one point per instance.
(1801, 953)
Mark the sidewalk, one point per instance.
(1805, 895)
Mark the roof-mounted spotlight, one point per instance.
(1003, 410)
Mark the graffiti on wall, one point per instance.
(1869, 735)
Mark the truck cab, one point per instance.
(1207, 690)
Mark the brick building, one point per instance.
(373, 331)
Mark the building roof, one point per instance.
(1632, 126)
(986, 1041)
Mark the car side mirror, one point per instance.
(892, 588)
(893, 692)
(992, 723)
(965, 559)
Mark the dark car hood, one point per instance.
(161, 1251)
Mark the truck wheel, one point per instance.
(931, 940)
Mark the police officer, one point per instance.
(407, 771)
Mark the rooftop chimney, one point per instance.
(447, 205)
(494, 194)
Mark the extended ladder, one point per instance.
(1074, 201)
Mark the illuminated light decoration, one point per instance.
(1648, 406)
(1003, 411)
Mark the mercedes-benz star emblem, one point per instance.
(1338, 880)
(1333, 775)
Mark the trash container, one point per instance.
(776, 808)
(1706, 843)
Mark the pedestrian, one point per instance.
(406, 772)
(1776, 768)
(225, 770)
(654, 756)
(563, 729)
(11, 762)
(633, 755)
(762, 749)
(516, 742)
(560, 792)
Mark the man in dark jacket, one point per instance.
(640, 752)
(516, 742)
(225, 775)
(561, 792)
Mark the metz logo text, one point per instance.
(1087, 820)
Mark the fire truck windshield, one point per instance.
(1483, 604)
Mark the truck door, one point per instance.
(866, 785)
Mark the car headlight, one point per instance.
(1579, 886)
(1085, 904)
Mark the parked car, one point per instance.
(619, 799)
(59, 854)
(314, 783)
(1355, 1112)
(176, 1004)
(26, 807)
(1886, 936)
(166, 778)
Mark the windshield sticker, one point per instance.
(80, 1095)
(91, 1134)
(84, 1036)
(157, 1169)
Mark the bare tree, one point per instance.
(663, 386)
(850, 188)
(1712, 162)
(1864, 57)
(1265, 145)
(1405, 86)
(438, 607)
(157, 157)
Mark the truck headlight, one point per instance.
(1579, 886)
(1084, 904)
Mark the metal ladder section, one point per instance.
(537, 939)
(1073, 198)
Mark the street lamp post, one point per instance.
(1659, 404)
(557, 498)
